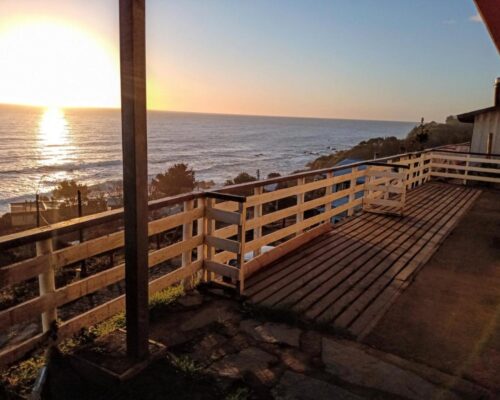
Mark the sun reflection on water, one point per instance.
(53, 128)
(55, 145)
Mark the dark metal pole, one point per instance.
(37, 200)
(83, 265)
(135, 175)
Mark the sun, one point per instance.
(53, 64)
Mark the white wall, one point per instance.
(485, 124)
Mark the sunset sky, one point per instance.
(386, 59)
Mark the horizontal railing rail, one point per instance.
(465, 166)
(381, 164)
(465, 152)
(225, 196)
(212, 235)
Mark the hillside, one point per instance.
(421, 137)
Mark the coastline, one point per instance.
(311, 158)
(85, 146)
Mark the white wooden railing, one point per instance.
(223, 236)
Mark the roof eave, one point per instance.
(471, 115)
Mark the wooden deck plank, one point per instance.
(252, 283)
(379, 250)
(397, 247)
(351, 275)
(319, 242)
(437, 240)
(304, 262)
(280, 269)
(297, 281)
(367, 320)
(359, 296)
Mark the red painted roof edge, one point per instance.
(489, 10)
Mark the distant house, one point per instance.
(24, 213)
(486, 131)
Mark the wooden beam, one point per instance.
(232, 246)
(222, 269)
(135, 173)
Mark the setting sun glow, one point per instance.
(55, 64)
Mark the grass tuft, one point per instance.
(109, 325)
(20, 378)
(240, 393)
(184, 364)
(161, 300)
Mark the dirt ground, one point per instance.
(449, 318)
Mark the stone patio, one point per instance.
(238, 347)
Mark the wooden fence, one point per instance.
(465, 166)
(220, 236)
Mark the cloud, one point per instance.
(476, 18)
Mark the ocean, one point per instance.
(39, 147)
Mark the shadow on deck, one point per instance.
(348, 277)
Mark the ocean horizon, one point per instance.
(39, 147)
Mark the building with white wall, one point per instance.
(486, 132)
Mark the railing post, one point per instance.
(83, 265)
(187, 233)
(387, 183)
(300, 200)
(209, 228)
(416, 172)
(352, 191)
(422, 157)
(409, 176)
(429, 167)
(466, 172)
(257, 232)
(47, 282)
(401, 160)
(200, 229)
(241, 239)
(328, 191)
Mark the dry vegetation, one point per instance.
(421, 137)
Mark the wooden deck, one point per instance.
(348, 277)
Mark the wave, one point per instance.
(66, 167)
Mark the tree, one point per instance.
(176, 180)
(242, 177)
(68, 190)
(423, 134)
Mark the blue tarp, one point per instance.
(344, 200)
